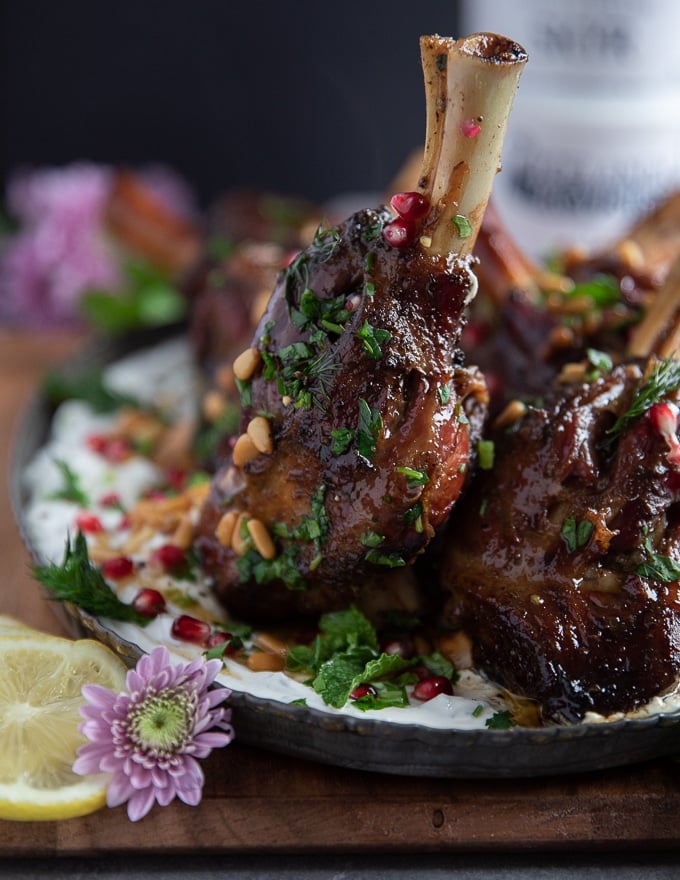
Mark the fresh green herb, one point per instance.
(78, 581)
(88, 386)
(463, 225)
(500, 721)
(657, 567)
(485, 454)
(387, 694)
(369, 261)
(477, 711)
(414, 516)
(444, 392)
(663, 379)
(371, 231)
(217, 652)
(603, 290)
(148, 299)
(346, 654)
(389, 560)
(372, 539)
(369, 288)
(368, 429)
(600, 364)
(576, 534)
(342, 440)
(71, 489)
(285, 567)
(372, 338)
(413, 477)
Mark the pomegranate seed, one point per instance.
(410, 205)
(363, 690)
(190, 629)
(220, 638)
(664, 418)
(89, 522)
(399, 232)
(117, 450)
(97, 443)
(110, 499)
(149, 602)
(427, 688)
(470, 128)
(170, 557)
(118, 567)
(176, 478)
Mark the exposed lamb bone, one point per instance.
(360, 375)
(474, 78)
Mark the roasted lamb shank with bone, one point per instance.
(359, 420)
(563, 560)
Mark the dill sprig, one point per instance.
(78, 581)
(663, 379)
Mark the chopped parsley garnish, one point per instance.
(78, 581)
(285, 567)
(342, 440)
(486, 454)
(602, 289)
(576, 534)
(500, 721)
(463, 225)
(444, 392)
(600, 363)
(663, 379)
(71, 489)
(413, 477)
(372, 338)
(657, 567)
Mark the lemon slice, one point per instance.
(39, 699)
(11, 626)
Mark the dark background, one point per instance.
(303, 97)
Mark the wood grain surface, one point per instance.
(261, 802)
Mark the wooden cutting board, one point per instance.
(257, 801)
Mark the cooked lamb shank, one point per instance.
(563, 560)
(359, 420)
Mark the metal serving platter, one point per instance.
(366, 743)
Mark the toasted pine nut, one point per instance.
(512, 413)
(573, 372)
(224, 377)
(213, 405)
(261, 662)
(245, 364)
(239, 544)
(260, 432)
(261, 538)
(225, 528)
(244, 450)
(269, 644)
(184, 533)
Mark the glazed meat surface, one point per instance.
(561, 562)
(370, 417)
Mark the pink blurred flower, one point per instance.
(150, 738)
(60, 249)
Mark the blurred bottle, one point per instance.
(594, 137)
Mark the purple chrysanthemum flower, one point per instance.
(150, 738)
